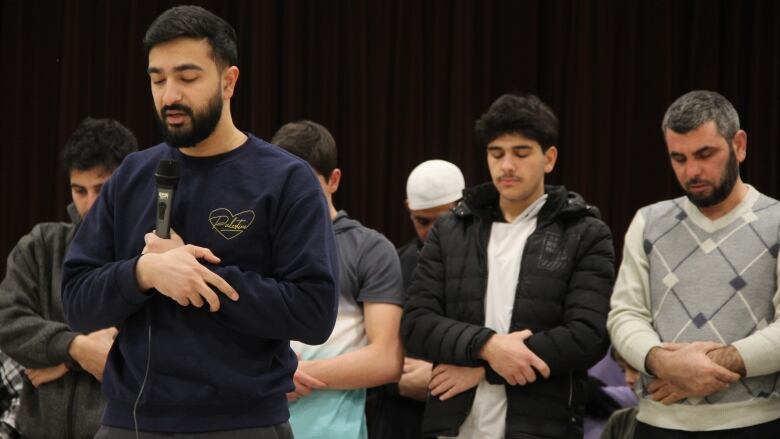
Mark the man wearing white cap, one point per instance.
(432, 189)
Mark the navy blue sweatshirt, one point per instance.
(262, 212)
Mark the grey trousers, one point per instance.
(281, 431)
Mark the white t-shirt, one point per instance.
(487, 419)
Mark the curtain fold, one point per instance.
(399, 82)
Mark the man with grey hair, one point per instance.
(695, 303)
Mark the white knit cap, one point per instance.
(434, 183)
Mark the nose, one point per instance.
(631, 376)
(507, 163)
(424, 230)
(692, 170)
(91, 198)
(171, 94)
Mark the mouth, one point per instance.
(175, 118)
(508, 181)
(697, 187)
(175, 115)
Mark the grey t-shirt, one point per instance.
(369, 267)
(369, 271)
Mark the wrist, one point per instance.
(410, 390)
(403, 388)
(653, 361)
(729, 358)
(738, 363)
(76, 349)
(486, 352)
(142, 272)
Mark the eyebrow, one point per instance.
(514, 147)
(77, 185)
(179, 68)
(698, 151)
(704, 148)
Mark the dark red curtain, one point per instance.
(399, 82)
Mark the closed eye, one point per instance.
(496, 152)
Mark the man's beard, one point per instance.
(201, 124)
(722, 190)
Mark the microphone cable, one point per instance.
(146, 372)
(166, 175)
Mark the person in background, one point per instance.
(364, 349)
(622, 423)
(11, 379)
(607, 392)
(61, 396)
(433, 188)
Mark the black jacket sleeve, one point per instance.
(426, 332)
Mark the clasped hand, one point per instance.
(172, 267)
(683, 370)
(508, 355)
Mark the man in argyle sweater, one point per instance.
(695, 303)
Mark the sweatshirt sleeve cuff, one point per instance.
(754, 356)
(57, 349)
(478, 342)
(127, 285)
(636, 355)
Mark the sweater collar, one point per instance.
(743, 209)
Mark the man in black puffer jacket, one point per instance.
(511, 292)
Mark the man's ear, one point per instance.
(739, 143)
(550, 157)
(229, 79)
(334, 180)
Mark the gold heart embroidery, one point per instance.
(229, 225)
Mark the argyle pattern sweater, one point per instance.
(686, 278)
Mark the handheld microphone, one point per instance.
(167, 177)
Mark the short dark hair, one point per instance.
(195, 22)
(311, 142)
(695, 108)
(98, 143)
(526, 115)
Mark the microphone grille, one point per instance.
(167, 173)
